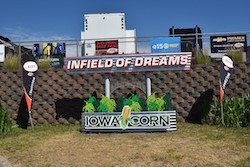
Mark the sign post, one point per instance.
(107, 85)
(148, 84)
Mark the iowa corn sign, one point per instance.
(129, 122)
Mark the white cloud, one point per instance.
(28, 38)
(19, 34)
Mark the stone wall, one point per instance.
(59, 97)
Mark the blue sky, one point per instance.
(26, 20)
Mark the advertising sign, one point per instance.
(29, 78)
(165, 44)
(128, 121)
(2, 53)
(129, 63)
(188, 41)
(223, 44)
(55, 51)
(226, 69)
(106, 47)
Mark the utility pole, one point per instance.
(196, 39)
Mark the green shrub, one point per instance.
(168, 103)
(89, 107)
(133, 102)
(236, 111)
(155, 104)
(236, 55)
(11, 63)
(137, 104)
(151, 105)
(136, 107)
(127, 102)
(119, 103)
(43, 63)
(143, 104)
(5, 120)
(94, 101)
(206, 115)
(201, 58)
(103, 107)
(246, 103)
(134, 98)
(110, 103)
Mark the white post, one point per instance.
(222, 115)
(31, 122)
(107, 85)
(77, 48)
(148, 84)
(244, 57)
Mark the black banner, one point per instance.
(223, 44)
(29, 78)
(226, 69)
(106, 47)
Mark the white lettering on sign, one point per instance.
(108, 63)
(120, 62)
(138, 62)
(129, 63)
(125, 62)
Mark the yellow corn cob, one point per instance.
(125, 114)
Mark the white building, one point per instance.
(105, 33)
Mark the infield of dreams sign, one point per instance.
(129, 63)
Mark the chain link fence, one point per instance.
(55, 50)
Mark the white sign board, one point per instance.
(2, 53)
(143, 121)
(129, 63)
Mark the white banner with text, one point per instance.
(128, 63)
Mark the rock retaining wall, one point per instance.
(55, 89)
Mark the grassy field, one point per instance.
(64, 145)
